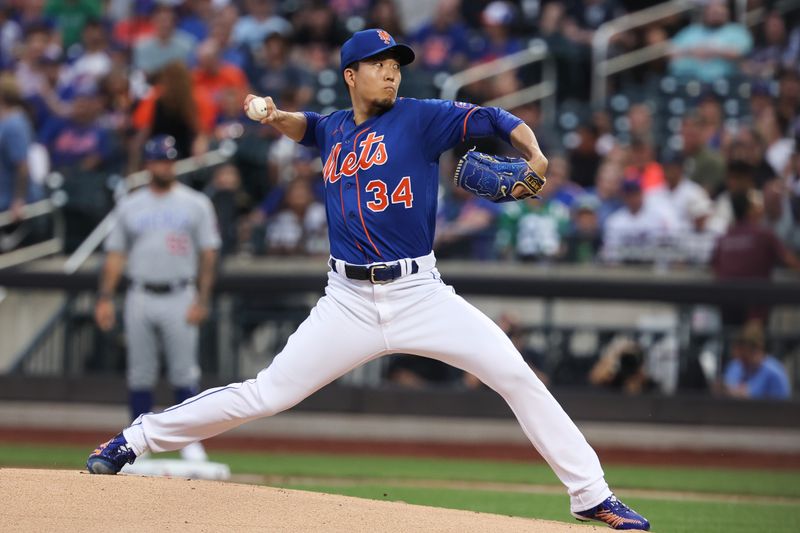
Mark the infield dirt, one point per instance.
(62, 500)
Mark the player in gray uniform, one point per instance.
(165, 232)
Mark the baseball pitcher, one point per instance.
(384, 293)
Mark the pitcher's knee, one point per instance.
(512, 380)
(276, 394)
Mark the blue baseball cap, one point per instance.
(160, 147)
(371, 42)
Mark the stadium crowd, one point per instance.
(693, 159)
(85, 82)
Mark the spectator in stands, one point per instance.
(10, 36)
(583, 158)
(691, 208)
(466, 225)
(739, 179)
(168, 44)
(293, 163)
(196, 17)
(16, 136)
(779, 147)
(791, 56)
(782, 208)
(31, 12)
(116, 115)
(584, 238)
(259, 21)
(747, 145)
(643, 166)
(532, 231)
(35, 50)
(770, 52)
(586, 16)
(606, 138)
(640, 123)
(637, 232)
(497, 39)
(711, 49)
(621, 367)
(132, 27)
(703, 165)
(568, 28)
(751, 373)
(748, 250)
(711, 115)
(318, 24)
(168, 110)
(53, 94)
(222, 32)
(273, 72)
(559, 180)
(300, 225)
(230, 202)
(787, 103)
(231, 121)
(443, 43)
(78, 142)
(93, 60)
(71, 16)
(608, 191)
(212, 74)
(689, 201)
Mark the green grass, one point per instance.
(723, 481)
(666, 516)
(750, 482)
(377, 474)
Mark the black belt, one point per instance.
(163, 288)
(375, 274)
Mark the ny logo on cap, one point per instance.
(385, 37)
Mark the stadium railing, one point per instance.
(212, 158)
(21, 230)
(603, 67)
(536, 52)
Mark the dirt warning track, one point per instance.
(62, 500)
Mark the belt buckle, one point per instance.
(372, 279)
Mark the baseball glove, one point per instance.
(496, 178)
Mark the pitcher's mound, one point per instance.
(59, 500)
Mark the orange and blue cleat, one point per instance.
(111, 456)
(615, 515)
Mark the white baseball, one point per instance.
(257, 109)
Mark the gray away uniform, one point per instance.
(162, 236)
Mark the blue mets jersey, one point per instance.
(382, 176)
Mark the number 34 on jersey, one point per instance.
(401, 195)
(368, 158)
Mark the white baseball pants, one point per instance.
(356, 322)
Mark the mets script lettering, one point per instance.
(373, 152)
